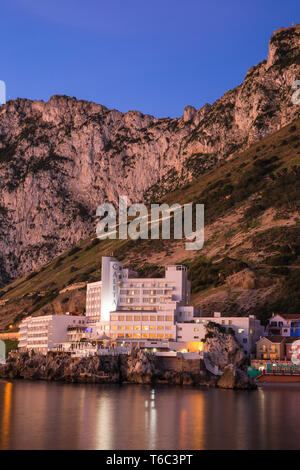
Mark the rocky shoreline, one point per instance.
(139, 368)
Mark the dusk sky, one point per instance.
(156, 56)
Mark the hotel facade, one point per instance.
(131, 310)
(128, 311)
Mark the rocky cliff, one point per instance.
(138, 367)
(60, 159)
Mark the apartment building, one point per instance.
(284, 325)
(43, 333)
(93, 301)
(248, 330)
(271, 348)
(133, 309)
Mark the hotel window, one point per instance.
(168, 327)
(113, 327)
(145, 335)
(121, 327)
(196, 329)
(128, 335)
(145, 318)
(168, 336)
(137, 318)
(129, 318)
(152, 327)
(145, 328)
(121, 318)
(136, 335)
(160, 335)
(137, 327)
(145, 300)
(168, 318)
(152, 335)
(152, 318)
(114, 318)
(160, 327)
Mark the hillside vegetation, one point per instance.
(250, 262)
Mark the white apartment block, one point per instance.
(134, 310)
(93, 301)
(248, 330)
(41, 334)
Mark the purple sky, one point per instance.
(155, 56)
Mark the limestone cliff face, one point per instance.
(60, 159)
(222, 348)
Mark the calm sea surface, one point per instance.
(40, 415)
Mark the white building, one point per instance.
(284, 325)
(134, 310)
(248, 330)
(41, 334)
(93, 301)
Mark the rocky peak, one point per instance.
(189, 113)
(284, 47)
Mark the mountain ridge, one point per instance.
(60, 159)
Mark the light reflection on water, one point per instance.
(40, 415)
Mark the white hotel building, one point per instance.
(42, 334)
(151, 313)
(134, 310)
(248, 330)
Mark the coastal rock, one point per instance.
(234, 378)
(222, 347)
(138, 367)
